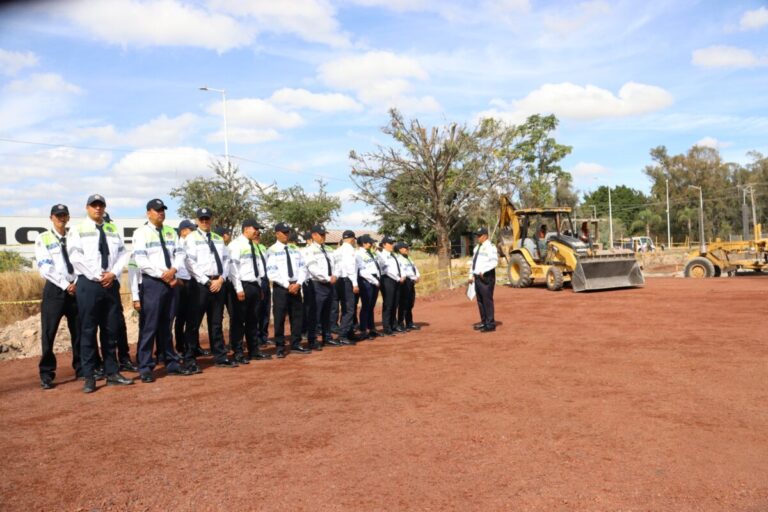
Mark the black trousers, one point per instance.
(484, 286)
(210, 305)
(56, 304)
(347, 325)
(323, 296)
(98, 308)
(390, 290)
(244, 321)
(337, 293)
(309, 318)
(158, 307)
(263, 310)
(231, 297)
(185, 314)
(405, 303)
(286, 304)
(368, 295)
(123, 351)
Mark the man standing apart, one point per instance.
(98, 255)
(52, 256)
(208, 260)
(286, 270)
(246, 272)
(348, 276)
(407, 288)
(483, 274)
(322, 275)
(157, 254)
(392, 278)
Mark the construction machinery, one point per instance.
(718, 257)
(560, 256)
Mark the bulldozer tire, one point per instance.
(699, 267)
(519, 272)
(718, 271)
(554, 279)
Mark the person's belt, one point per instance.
(317, 281)
(256, 282)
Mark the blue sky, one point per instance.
(109, 90)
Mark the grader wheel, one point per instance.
(519, 272)
(699, 268)
(554, 279)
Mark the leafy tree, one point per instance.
(646, 220)
(12, 261)
(295, 206)
(687, 216)
(625, 203)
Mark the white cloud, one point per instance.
(164, 163)
(754, 20)
(379, 78)
(301, 98)
(726, 57)
(360, 219)
(587, 169)
(41, 82)
(56, 163)
(35, 99)
(311, 20)
(256, 113)
(245, 135)
(158, 22)
(346, 195)
(161, 131)
(711, 142)
(13, 62)
(571, 101)
(576, 18)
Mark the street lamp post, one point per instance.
(669, 232)
(610, 216)
(226, 134)
(703, 244)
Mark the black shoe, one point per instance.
(118, 380)
(180, 372)
(387, 332)
(374, 334)
(98, 374)
(300, 349)
(227, 363)
(316, 346)
(147, 378)
(47, 383)
(258, 356)
(280, 353)
(399, 328)
(192, 368)
(90, 385)
(478, 326)
(413, 327)
(241, 359)
(346, 341)
(488, 328)
(201, 352)
(128, 366)
(332, 343)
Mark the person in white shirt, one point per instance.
(391, 278)
(347, 273)
(483, 274)
(52, 258)
(407, 297)
(185, 309)
(368, 280)
(158, 256)
(322, 274)
(286, 270)
(98, 255)
(246, 271)
(208, 263)
(308, 294)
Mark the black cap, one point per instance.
(202, 213)
(319, 229)
(95, 198)
(364, 239)
(348, 234)
(307, 235)
(252, 223)
(481, 231)
(187, 224)
(221, 230)
(59, 209)
(387, 240)
(401, 245)
(282, 227)
(156, 204)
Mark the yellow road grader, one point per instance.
(560, 256)
(720, 257)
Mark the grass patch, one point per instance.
(19, 286)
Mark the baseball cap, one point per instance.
(202, 213)
(481, 231)
(221, 230)
(348, 234)
(307, 235)
(319, 229)
(187, 224)
(95, 198)
(283, 227)
(401, 245)
(252, 223)
(59, 209)
(387, 240)
(156, 204)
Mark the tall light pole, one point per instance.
(226, 134)
(669, 232)
(703, 244)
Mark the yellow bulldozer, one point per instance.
(560, 255)
(719, 257)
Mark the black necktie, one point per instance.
(373, 256)
(65, 254)
(288, 259)
(474, 260)
(219, 268)
(166, 254)
(103, 247)
(327, 261)
(398, 265)
(253, 259)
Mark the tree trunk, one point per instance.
(443, 255)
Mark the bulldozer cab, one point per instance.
(539, 226)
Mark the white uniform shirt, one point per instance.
(148, 251)
(201, 261)
(182, 272)
(409, 268)
(241, 263)
(84, 250)
(134, 279)
(50, 260)
(389, 266)
(368, 266)
(486, 260)
(347, 263)
(277, 265)
(318, 263)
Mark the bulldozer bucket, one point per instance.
(607, 271)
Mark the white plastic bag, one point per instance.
(471, 291)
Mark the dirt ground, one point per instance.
(643, 399)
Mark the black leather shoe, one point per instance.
(413, 327)
(118, 380)
(347, 341)
(280, 353)
(193, 368)
(147, 378)
(227, 363)
(387, 332)
(315, 346)
(98, 374)
(399, 328)
(201, 352)
(180, 372)
(241, 359)
(128, 366)
(90, 385)
(488, 328)
(478, 326)
(332, 343)
(47, 383)
(374, 334)
(258, 356)
(300, 349)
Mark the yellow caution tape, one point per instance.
(19, 302)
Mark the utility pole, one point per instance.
(610, 215)
(669, 232)
(744, 214)
(703, 244)
(754, 214)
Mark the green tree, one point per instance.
(646, 221)
(686, 217)
(625, 203)
(295, 206)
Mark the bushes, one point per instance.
(11, 261)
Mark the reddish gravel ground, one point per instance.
(644, 399)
